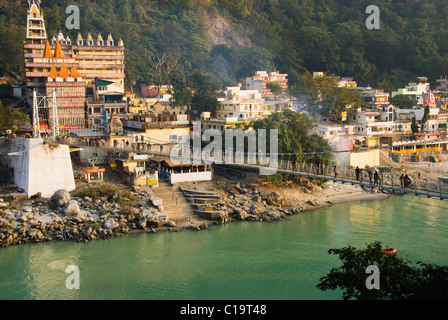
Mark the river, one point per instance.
(241, 260)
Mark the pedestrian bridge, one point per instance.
(388, 181)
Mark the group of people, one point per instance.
(377, 176)
(405, 181)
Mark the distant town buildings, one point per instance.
(260, 80)
(415, 90)
(240, 104)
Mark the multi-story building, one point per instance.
(70, 96)
(34, 47)
(262, 78)
(240, 104)
(347, 82)
(415, 91)
(95, 61)
(375, 98)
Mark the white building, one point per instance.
(415, 91)
(371, 122)
(240, 104)
(262, 78)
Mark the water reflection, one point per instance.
(237, 261)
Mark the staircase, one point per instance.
(175, 204)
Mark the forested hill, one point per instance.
(233, 38)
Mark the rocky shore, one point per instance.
(70, 217)
(249, 201)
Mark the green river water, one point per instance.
(237, 261)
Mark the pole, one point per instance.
(36, 124)
(55, 116)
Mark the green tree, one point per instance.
(294, 136)
(11, 118)
(425, 117)
(274, 87)
(323, 97)
(182, 98)
(414, 126)
(402, 101)
(399, 279)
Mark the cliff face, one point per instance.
(222, 31)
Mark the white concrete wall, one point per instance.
(192, 176)
(39, 167)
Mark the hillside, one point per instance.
(232, 39)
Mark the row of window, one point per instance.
(68, 89)
(240, 107)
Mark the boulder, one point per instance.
(60, 198)
(110, 224)
(241, 214)
(142, 223)
(314, 203)
(72, 209)
(35, 234)
(171, 224)
(87, 232)
(203, 226)
(253, 209)
(275, 199)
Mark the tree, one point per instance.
(425, 117)
(399, 279)
(294, 136)
(414, 126)
(163, 68)
(182, 98)
(274, 87)
(402, 101)
(324, 97)
(205, 86)
(11, 118)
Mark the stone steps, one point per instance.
(175, 204)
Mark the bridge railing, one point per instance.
(385, 180)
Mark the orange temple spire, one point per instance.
(63, 73)
(58, 51)
(47, 53)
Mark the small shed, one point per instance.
(98, 173)
(175, 172)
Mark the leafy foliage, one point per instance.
(399, 278)
(11, 118)
(288, 35)
(402, 101)
(294, 136)
(322, 96)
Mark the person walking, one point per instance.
(357, 173)
(376, 178)
(335, 171)
(370, 176)
(402, 180)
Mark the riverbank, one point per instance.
(107, 211)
